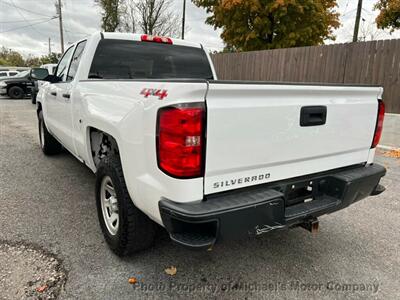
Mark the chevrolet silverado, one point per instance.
(207, 159)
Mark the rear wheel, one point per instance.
(48, 143)
(125, 228)
(16, 92)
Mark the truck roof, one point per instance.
(137, 37)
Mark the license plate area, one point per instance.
(299, 192)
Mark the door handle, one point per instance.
(53, 93)
(313, 115)
(67, 96)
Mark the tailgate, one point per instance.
(254, 131)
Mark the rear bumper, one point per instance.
(268, 207)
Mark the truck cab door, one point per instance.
(70, 96)
(65, 97)
(56, 108)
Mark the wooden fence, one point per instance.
(376, 62)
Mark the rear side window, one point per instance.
(2, 74)
(123, 59)
(13, 73)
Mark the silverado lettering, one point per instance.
(232, 182)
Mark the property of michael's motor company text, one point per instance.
(330, 286)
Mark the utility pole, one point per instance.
(183, 19)
(59, 12)
(357, 24)
(49, 46)
(364, 30)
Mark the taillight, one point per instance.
(180, 141)
(155, 39)
(379, 124)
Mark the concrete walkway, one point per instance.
(391, 131)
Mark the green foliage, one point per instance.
(51, 58)
(268, 24)
(389, 16)
(32, 62)
(111, 15)
(12, 58)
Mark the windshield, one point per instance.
(124, 59)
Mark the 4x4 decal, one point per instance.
(161, 94)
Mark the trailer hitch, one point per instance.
(312, 225)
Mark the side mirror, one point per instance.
(39, 73)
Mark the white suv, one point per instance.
(4, 74)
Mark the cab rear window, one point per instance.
(124, 59)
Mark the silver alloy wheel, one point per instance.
(109, 205)
(42, 133)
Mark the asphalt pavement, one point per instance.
(49, 202)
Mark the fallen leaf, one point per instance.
(132, 280)
(392, 153)
(41, 289)
(171, 270)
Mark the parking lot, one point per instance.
(49, 202)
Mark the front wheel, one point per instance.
(48, 143)
(16, 92)
(125, 228)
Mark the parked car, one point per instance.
(18, 86)
(5, 74)
(207, 159)
(39, 83)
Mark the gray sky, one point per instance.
(28, 28)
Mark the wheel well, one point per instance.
(102, 144)
(38, 108)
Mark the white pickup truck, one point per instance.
(206, 159)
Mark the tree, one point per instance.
(155, 17)
(11, 58)
(3, 62)
(389, 16)
(128, 16)
(369, 31)
(32, 62)
(51, 58)
(268, 24)
(111, 14)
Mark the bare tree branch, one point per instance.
(156, 17)
(128, 21)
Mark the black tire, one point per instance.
(135, 230)
(16, 92)
(48, 143)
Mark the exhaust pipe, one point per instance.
(312, 225)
